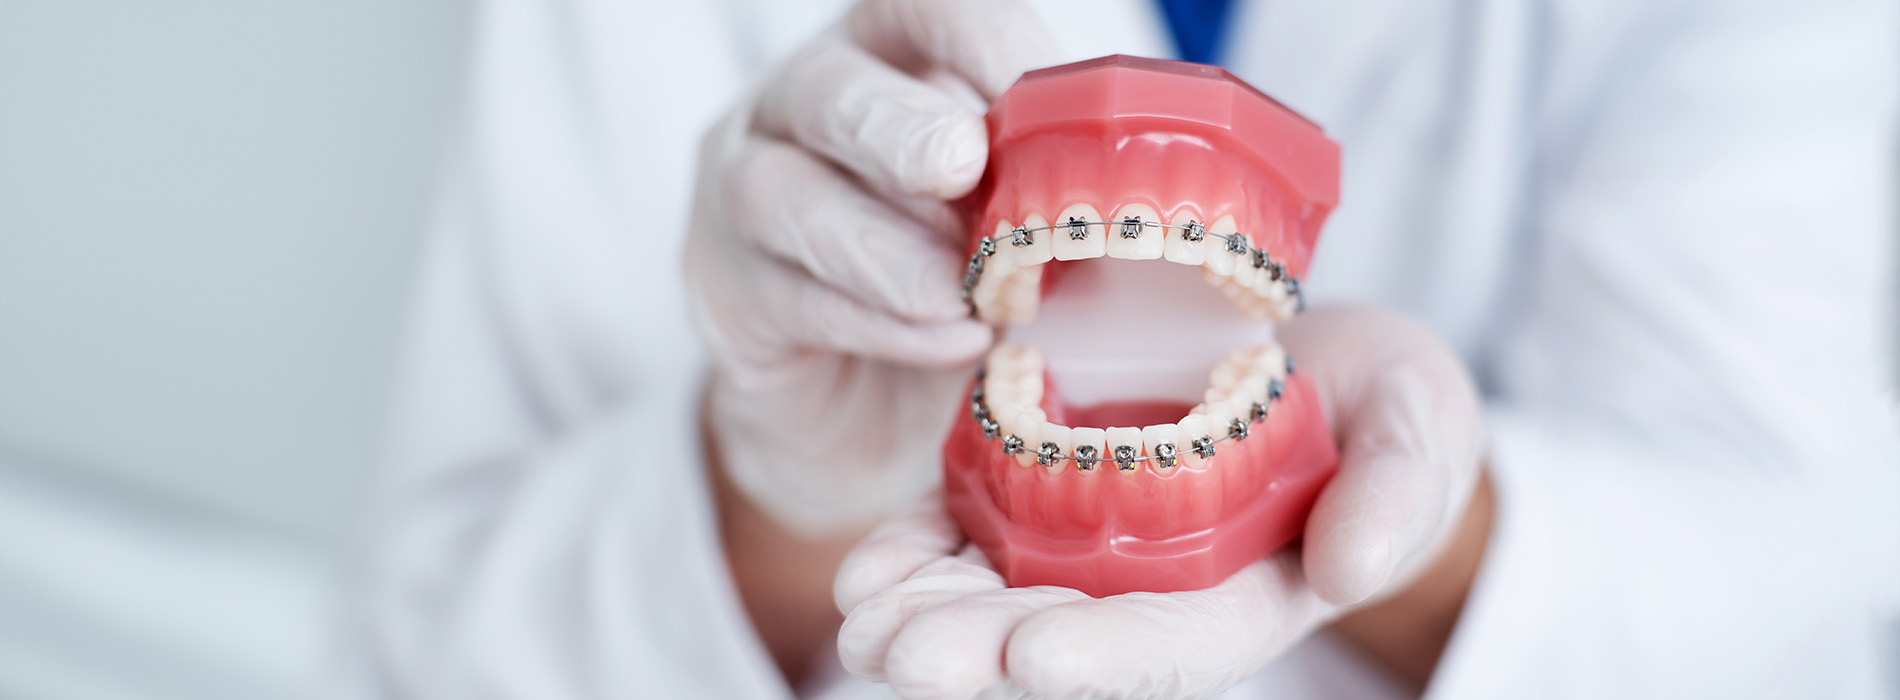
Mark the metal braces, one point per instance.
(1124, 456)
(1129, 227)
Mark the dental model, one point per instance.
(1119, 480)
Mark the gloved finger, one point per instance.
(802, 210)
(1409, 425)
(989, 43)
(801, 311)
(865, 638)
(955, 650)
(883, 125)
(895, 551)
(1192, 644)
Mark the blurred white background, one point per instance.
(208, 216)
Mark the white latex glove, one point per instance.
(824, 265)
(925, 611)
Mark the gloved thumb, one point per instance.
(1410, 431)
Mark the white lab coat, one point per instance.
(1658, 231)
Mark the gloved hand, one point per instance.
(925, 611)
(823, 263)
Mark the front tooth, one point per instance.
(1027, 426)
(1096, 440)
(1219, 260)
(1154, 436)
(1178, 248)
(1076, 239)
(1041, 248)
(1244, 272)
(1146, 243)
(1061, 437)
(1191, 429)
(1125, 437)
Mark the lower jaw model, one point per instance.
(1093, 454)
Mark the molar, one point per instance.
(1147, 241)
(1075, 240)
(1022, 295)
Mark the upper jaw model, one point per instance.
(1125, 478)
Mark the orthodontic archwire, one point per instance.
(1124, 456)
(1128, 227)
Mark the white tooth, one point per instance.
(1244, 272)
(1040, 415)
(1224, 376)
(1124, 437)
(1241, 407)
(1178, 248)
(1093, 241)
(987, 296)
(1022, 295)
(1255, 309)
(1146, 245)
(1060, 435)
(1253, 388)
(1153, 436)
(1216, 394)
(1218, 259)
(1005, 256)
(997, 269)
(1264, 284)
(1191, 428)
(1219, 417)
(1090, 437)
(1272, 360)
(1029, 388)
(1285, 308)
(1041, 248)
(1005, 413)
(999, 385)
(1027, 426)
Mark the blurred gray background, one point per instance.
(208, 216)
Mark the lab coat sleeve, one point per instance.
(1693, 449)
(544, 529)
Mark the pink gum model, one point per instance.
(1193, 143)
